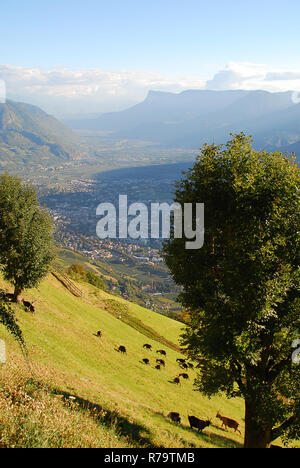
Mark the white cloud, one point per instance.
(251, 76)
(63, 91)
(95, 90)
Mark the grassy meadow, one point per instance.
(116, 400)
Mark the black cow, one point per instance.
(122, 349)
(9, 297)
(161, 362)
(29, 306)
(198, 423)
(146, 361)
(175, 417)
(184, 365)
(147, 346)
(184, 376)
(99, 334)
(182, 361)
(161, 351)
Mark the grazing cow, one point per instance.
(184, 376)
(122, 349)
(161, 351)
(9, 297)
(191, 366)
(227, 422)
(161, 362)
(29, 306)
(147, 346)
(158, 367)
(181, 361)
(99, 334)
(175, 417)
(146, 361)
(177, 381)
(184, 365)
(198, 423)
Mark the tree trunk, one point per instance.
(17, 293)
(256, 436)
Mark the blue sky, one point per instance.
(91, 55)
(192, 37)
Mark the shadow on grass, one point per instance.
(219, 441)
(133, 431)
(216, 440)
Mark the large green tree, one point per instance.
(242, 288)
(26, 235)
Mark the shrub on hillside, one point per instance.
(78, 272)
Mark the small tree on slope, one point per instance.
(26, 235)
(242, 287)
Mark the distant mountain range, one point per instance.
(29, 136)
(194, 117)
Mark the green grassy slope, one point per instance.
(67, 356)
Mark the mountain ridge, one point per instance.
(28, 135)
(192, 117)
